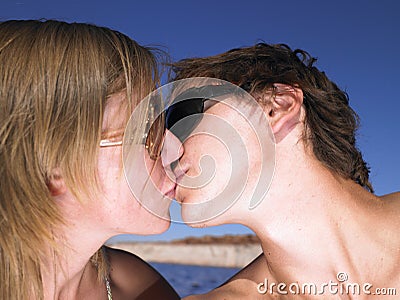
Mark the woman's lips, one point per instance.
(171, 193)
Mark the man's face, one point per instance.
(222, 162)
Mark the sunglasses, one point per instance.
(191, 103)
(152, 138)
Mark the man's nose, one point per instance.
(172, 150)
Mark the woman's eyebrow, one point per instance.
(113, 133)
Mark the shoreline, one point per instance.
(226, 251)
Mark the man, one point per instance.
(324, 233)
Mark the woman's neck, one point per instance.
(63, 273)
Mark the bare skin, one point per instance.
(313, 224)
(91, 221)
(375, 263)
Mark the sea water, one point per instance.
(189, 280)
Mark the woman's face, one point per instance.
(135, 201)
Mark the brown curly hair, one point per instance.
(330, 122)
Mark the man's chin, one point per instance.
(160, 227)
(198, 219)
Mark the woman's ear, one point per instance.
(56, 183)
(285, 109)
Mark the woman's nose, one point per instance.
(172, 150)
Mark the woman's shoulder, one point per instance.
(133, 278)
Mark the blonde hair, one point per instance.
(55, 78)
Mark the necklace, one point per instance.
(108, 287)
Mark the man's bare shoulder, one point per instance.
(393, 197)
(392, 204)
(242, 285)
(133, 278)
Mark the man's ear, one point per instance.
(56, 183)
(285, 109)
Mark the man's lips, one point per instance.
(179, 194)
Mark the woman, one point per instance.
(66, 93)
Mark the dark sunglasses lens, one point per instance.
(180, 110)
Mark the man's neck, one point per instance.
(314, 225)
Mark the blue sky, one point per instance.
(357, 44)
